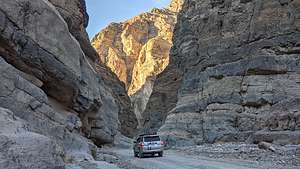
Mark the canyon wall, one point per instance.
(137, 50)
(75, 15)
(239, 61)
(54, 94)
(232, 74)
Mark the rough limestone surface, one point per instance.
(33, 44)
(21, 148)
(163, 98)
(74, 13)
(44, 130)
(127, 118)
(240, 64)
(52, 92)
(137, 50)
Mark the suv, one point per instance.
(148, 144)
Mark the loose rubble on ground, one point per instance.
(287, 156)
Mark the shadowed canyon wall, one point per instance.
(74, 13)
(239, 65)
(54, 94)
(217, 71)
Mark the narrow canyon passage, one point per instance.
(215, 83)
(137, 50)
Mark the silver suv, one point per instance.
(148, 144)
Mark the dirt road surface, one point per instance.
(175, 160)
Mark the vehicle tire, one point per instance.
(135, 154)
(160, 154)
(141, 155)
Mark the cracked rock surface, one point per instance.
(240, 73)
(57, 102)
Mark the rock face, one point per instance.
(74, 13)
(44, 130)
(35, 147)
(53, 92)
(57, 60)
(163, 98)
(127, 118)
(240, 64)
(137, 50)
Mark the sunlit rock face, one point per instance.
(137, 50)
(176, 5)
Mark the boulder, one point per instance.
(266, 146)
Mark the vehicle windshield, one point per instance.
(151, 138)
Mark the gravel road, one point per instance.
(175, 160)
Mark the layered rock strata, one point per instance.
(56, 59)
(240, 73)
(163, 98)
(53, 90)
(75, 15)
(48, 134)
